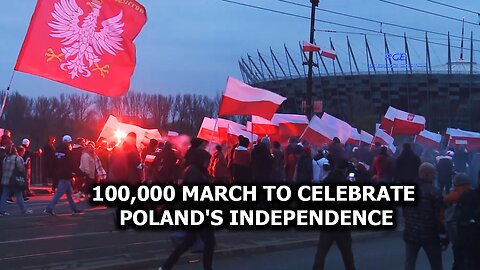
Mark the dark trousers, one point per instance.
(433, 251)
(344, 243)
(445, 184)
(459, 257)
(208, 238)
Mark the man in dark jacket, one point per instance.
(406, 169)
(262, 162)
(304, 172)
(423, 225)
(134, 164)
(336, 152)
(64, 172)
(469, 227)
(445, 172)
(165, 166)
(460, 159)
(343, 238)
(77, 151)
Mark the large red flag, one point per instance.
(85, 44)
(242, 99)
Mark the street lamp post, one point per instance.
(308, 101)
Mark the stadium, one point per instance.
(413, 74)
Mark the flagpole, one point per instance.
(4, 103)
(213, 133)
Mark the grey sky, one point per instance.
(192, 46)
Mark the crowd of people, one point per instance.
(447, 209)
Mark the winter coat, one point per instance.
(304, 173)
(445, 169)
(165, 167)
(460, 160)
(406, 169)
(241, 166)
(383, 168)
(48, 159)
(9, 164)
(423, 222)
(262, 163)
(218, 165)
(64, 163)
(278, 170)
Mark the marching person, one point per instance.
(48, 161)
(342, 238)
(423, 222)
(196, 173)
(11, 164)
(64, 172)
(91, 167)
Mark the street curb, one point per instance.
(157, 261)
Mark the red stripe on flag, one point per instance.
(232, 106)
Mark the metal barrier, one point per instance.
(37, 174)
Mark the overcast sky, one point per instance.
(192, 46)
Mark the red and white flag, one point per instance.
(208, 130)
(385, 139)
(262, 126)
(428, 139)
(458, 137)
(398, 122)
(242, 99)
(223, 130)
(341, 128)
(290, 124)
(116, 131)
(318, 133)
(85, 44)
(309, 47)
(329, 53)
(360, 137)
(235, 131)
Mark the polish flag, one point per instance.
(260, 125)
(458, 137)
(208, 130)
(342, 129)
(360, 137)
(428, 139)
(242, 99)
(384, 139)
(318, 133)
(291, 124)
(329, 53)
(398, 122)
(235, 131)
(309, 47)
(223, 130)
(116, 131)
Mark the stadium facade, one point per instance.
(448, 95)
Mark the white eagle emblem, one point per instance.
(83, 46)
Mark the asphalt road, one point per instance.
(383, 253)
(92, 241)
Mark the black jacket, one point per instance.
(262, 163)
(64, 164)
(406, 169)
(422, 221)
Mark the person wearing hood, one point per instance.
(462, 185)
(196, 173)
(262, 162)
(445, 171)
(406, 168)
(241, 162)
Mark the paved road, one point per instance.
(92, 241)
(384, 253)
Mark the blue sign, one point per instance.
(395, 58)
